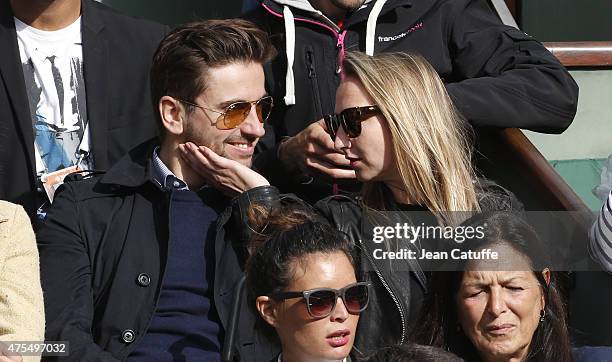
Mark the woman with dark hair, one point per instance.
(508, 309)
(302, 279)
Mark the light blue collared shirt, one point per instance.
(163, 176)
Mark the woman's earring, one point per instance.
(542, 315)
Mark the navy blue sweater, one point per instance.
(186, 326)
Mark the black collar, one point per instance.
(88, 18)
(133, 169)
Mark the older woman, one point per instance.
(302, 279)
(507, 309)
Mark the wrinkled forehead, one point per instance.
(489, 277)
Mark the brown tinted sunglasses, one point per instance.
(321, 302)
(237, 112)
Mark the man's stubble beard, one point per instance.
(219, 148)
(191, 135)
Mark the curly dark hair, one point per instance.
(438, 320)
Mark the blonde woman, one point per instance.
(394, 105)
(397, 126)
(21, 300)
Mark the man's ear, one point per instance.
(172, 114)
(267, 309)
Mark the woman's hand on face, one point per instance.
(228, 176)
(312, 152)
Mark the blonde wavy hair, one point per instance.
(430, 140)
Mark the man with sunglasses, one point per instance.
(142, 263)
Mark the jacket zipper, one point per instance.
(340, 46)
(338, 33)
(313, 76)
(399, 307)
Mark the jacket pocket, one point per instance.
(523, 42)
(311, 70)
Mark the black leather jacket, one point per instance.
(399, 286)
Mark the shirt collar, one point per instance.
(163, 176)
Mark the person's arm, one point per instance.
(66, 274)
(502, 77)
(309, 153)
(239, 227)
(21, 300)
(600, 245)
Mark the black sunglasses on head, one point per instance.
(321, 302)
(350, 119)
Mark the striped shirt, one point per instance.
(601, 236)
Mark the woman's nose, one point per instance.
(497, 303)
(340, 312)
(342, 140)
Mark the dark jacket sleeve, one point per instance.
(238, 227)
(507, 78)
(66, 279)
(268, 197)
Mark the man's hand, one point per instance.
(312, 152)
(228, 176)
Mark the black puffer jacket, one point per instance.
(496, 75)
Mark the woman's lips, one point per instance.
(500, 330)
(338, 338)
